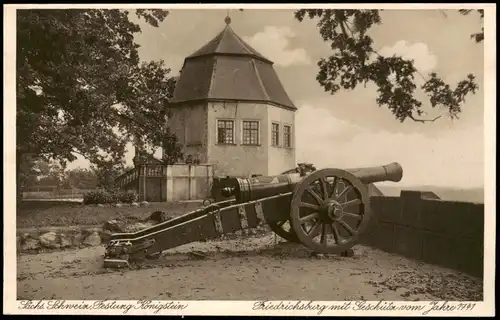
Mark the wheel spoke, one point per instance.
(309, 217)
(348, 227)
(334, 185)
(315, 229)
(353, 215)
(340, 186)
(335, 232)
(323, 234)
(315, 195)
(345, 191)
(309, 205)
(351, 203)
(324, 188)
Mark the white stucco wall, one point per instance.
(196, 129)
(237, 159)
(281, 158)
(189, 124)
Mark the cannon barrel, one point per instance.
(391, 172)
(255, 188)
(249, 189)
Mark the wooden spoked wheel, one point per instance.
(329, 210)
(284, 228)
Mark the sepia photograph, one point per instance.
(307, 160)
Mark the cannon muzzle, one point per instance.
(391, 172)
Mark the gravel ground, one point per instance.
(247, 268)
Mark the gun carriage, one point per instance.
(326, 209)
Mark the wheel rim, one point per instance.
(330, 209)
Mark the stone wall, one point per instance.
(188, 182)
(176, 182)
(445, 233)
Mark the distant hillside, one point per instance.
(450, 194)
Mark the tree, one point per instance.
(106, 173)
(479, 36)
(41, 173)
(80, 179)
(354, 61)
(29, 173)
(81, 87)
(55, 177)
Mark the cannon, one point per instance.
(327, 210)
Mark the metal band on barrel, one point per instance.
(244, 191)
(243, 217)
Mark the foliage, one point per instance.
(80, 179)
(127, 196)
(40, 173)
(99, 197)
(103, 196)
(172, 150)
(81, 87)
(107, 172)
(479, 36)
(29, 172)
(354, 61)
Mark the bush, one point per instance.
(98, 197)
(106, 197)
(127, 196)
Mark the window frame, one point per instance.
(243, 129)
(277, 144)
(290, 135)
(233, 131)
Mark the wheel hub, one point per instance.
(331, 210)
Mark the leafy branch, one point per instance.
(354, 61)
(81, 88)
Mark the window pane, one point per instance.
(221, 136)
(275, 134)
(287, 137)
(225, 131)
(250, 132)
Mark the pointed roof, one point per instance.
(227, 42)
(229, 69)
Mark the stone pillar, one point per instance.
(210, 180)
(169, 183)
(142, 182)
(192, 182)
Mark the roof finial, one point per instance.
(227, 20)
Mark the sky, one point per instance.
(348, 129)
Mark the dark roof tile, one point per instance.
(194, 82)
(227, 68)
(227, 42)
